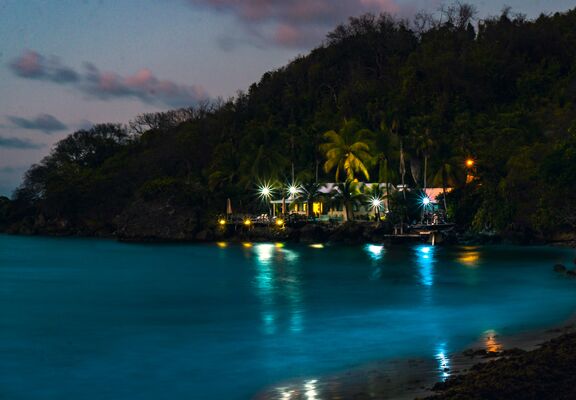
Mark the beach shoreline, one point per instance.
(413, 377)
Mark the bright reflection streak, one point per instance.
(443, 362)
(375, 252)
(469, 256)
(308, 391)
(311, 390)
(425, 262)
(278, 286)
(491, 343)
(264, 252)
(285, 393)
(290, 255)
(317, 246)
(265, 283)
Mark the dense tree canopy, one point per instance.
(501, 90)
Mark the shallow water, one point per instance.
(96, 319)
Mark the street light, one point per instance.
(294, 190)
(265, 191)
(469, 163)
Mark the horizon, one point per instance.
(66, 67)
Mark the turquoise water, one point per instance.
(95, 319)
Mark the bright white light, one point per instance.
(265, 191)
(311, 390)
(294, 190)
(264, 252)
(374, 251)
(376, 203)
(425, 249)
(425, 201)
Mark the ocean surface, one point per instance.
(96, 319)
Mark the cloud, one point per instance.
(15, 143)
(33, 65)
(105, 85)
(143, 85)
(44, 122)
(298, 23)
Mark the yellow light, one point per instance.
(317, 208)
(279, 222)
(222, 245)
(469, 163)
(317, 246)
(247, 222)
(279, 245)
(247, 244)
(492, 344)
(222, 222)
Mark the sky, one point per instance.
(68, 64)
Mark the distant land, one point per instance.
(500, 91)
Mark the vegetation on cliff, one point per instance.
(501, 90)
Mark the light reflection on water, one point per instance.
(278, 280)
(425, 260)
(443, 359)
(491, 343)
(469, 256)
(307, 390)
(226, 321)
(375, 252)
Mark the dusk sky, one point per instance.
(67, 64)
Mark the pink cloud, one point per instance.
(298, 23)
(33, 65)
(287, 35)
(143, 85)
(28, 64)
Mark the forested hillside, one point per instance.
(499, 90)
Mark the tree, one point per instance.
(347, 194)
(386, 145)
(348, 151)
(446, 176)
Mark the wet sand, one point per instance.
(412, 378)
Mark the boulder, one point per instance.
(559, 268)
(312, 233)
(157, 221)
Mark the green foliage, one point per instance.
(348, 151)
(504, 95)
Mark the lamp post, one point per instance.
(376, 205)
(265, 193)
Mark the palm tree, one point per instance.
(348, 151)
(376, 198)
(424, 146)
(386, 143)
(446, 175)
(348, 194)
